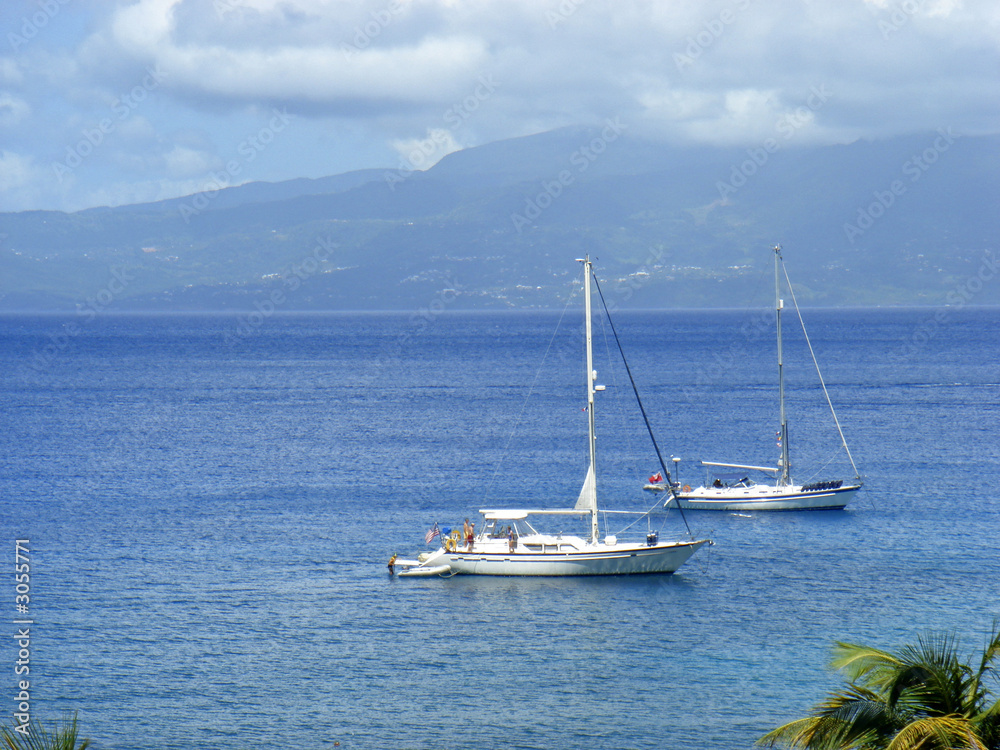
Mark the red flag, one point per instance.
(657, 477)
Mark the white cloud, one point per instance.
(184, 162)
(423, 153)
(12, 110)
(745, 113)
(373, 82)
(16, 170)
(10, 72)
(19, 178)
(137, 128)
(379, 58)
(291, 64)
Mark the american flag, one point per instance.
(432, 532)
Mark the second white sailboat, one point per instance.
(734, 490)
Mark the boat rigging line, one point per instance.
(642, 409)
(843, 440)
(527, 396)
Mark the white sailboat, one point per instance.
(737, 491)
(508, 544)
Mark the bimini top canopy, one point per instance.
(516, 515)
(769, 469)
(728, 476)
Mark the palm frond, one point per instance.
(992, 649)
(937, 733)
(933, 689)
(34, 736)
(793, 734)
(850, 718)
(990, 653)
(924, 696)
(987, 725)
(864, 664)
(928, 677)
(815, 733)
(934, 652)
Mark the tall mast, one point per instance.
(591, 376)
(785, 477)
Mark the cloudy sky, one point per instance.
(105, 103)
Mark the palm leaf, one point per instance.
(979, 695)
(851, 718)
(937, 733)
(864, 664)
(923, 696)
(64, 737)
(987, 725)
(928, 677)
(934, 690)
(992, 649)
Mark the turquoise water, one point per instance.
(210, 514)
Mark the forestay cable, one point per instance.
(524, 404)
(642, 409)
(843, 440)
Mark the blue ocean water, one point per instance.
(211, 506)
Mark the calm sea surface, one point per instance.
(210, 508)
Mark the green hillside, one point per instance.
(906, 221)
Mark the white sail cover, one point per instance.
(588, 493)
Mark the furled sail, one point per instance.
(588, 494)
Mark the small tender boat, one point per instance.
(422, 571)
(508, 544)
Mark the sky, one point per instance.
(110, 103)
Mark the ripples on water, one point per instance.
(210, 519)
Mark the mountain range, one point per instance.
(905, 221)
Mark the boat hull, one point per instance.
(764, 497)
(605, 560)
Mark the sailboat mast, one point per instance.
(785, 477)
(591, 375)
